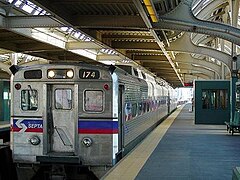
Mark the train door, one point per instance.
(121, 121)
(62, 118)
(168, 101)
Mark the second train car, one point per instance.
(65, 117)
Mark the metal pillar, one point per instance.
(233, 81)
(235, 9)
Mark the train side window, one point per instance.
(128, 111)
(134, 109)
(140, 108)
(93, 100)
(148, 106)
(63, 99)
(144, 106)
(29, 100)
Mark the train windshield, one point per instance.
(63, 99)
(29, 100)
(93, 100)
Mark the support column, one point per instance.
(14, 58)
(223, 75)
(233, 81)
(223, 71)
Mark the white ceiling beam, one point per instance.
(82, 45)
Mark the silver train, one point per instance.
(66, 117)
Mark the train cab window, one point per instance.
(93, 100)
(135, 72)
(29, 100)
(63, 99)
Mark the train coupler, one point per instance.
(58, 172)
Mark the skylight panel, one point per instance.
(38, 10)
(64, 29)
(27, 8)
(10, 1)
(77, 34)
(18, 3)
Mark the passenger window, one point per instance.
(134, 109)
(29, 100)
(128, 111)
(63, 99)
(144, 106)
(214, 99)
(140, 108)
(93, 100)
(148, 106)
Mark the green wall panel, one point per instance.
(217, 110)
(5, 100)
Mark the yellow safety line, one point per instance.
(130, 165)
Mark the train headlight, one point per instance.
(35, 140)
(70, 73)
(87, 141)
(51, 74)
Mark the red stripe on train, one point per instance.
(97, 131)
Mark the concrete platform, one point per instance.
(179, 149)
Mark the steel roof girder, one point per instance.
(199, 70)
(108, 57)
(187, 58)
(189, 47)
(154, 34)
(185, 65)
(29, 33)
(82, 45)
(207, 10)
(31, 22)
(101, 21)
(190, 77)
(187, 22)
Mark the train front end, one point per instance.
(61, 118)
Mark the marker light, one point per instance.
(106, 86)
(35, 140)
(51, 74)
(18, 86)
(70, 73)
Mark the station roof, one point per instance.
(116, 32)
